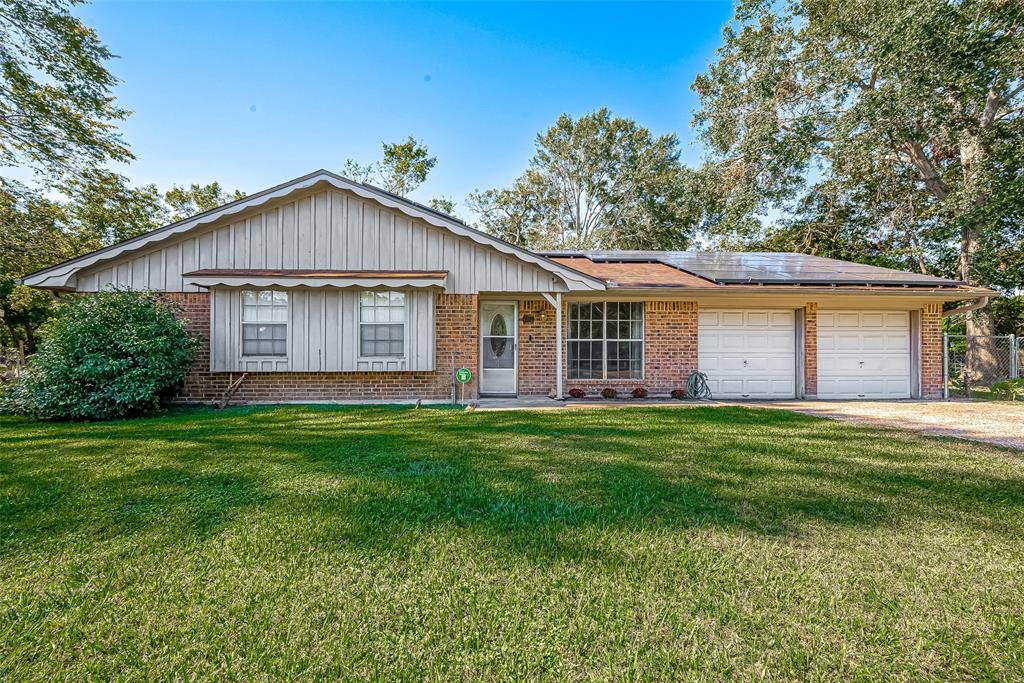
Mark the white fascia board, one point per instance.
(60, 273)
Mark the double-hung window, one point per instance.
(606, 340)
(382, 324)
(264, 323)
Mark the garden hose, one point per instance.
(697, 386)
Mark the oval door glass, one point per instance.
(498, 351)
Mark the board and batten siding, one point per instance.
(323, 334)
(329, 229)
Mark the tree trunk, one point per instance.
(981, 366)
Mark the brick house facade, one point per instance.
(325, 289)
(670, 355)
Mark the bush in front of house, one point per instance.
(576, 392)
(639, 392)
(105, 355)
(678, 394)
(608, 392)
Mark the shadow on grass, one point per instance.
(384, 477)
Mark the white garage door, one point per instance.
(863, 354)
(748, 354)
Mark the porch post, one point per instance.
(558, 344)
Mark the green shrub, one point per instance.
(1009, 389)
(102, 356)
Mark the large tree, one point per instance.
(905, 114)
(57, 115)
(196, 199)
(104, 208)
(89, 210)
(403, 167)
(599, 181)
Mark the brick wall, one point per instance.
(456, 328)
(931, 351)
(810, 350)
(536, 348)
(670, 349)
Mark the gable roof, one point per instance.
(59, 276)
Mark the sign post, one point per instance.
(463, 377)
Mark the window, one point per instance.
(382, 324)
(264, 323)
(606, 340)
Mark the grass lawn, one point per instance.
(389, 543)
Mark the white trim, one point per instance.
(60, 276)
(249, 281)
(559, 388)
(515, 348)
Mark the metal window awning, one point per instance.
(391, 279)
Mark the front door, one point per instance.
(498, 348)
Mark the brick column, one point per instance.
(670, 344)
(457, 330)
(811, 349)
(536, 347)
(931, 351)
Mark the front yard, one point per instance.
(589, 544)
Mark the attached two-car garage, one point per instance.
(757, 353)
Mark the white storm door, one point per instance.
(863, 354)
(748, 354)
(498, 348)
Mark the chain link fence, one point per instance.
(983, 366)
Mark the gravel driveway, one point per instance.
(1000, 423)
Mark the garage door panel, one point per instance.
(864, 354)
(748, 354)
(847, 320)
(732, 319)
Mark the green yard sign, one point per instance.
(463, 375)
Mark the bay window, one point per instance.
(606, 340)
(264, 323)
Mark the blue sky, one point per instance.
(252, 94)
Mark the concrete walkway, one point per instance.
(1000, 423)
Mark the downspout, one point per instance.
(980, 303)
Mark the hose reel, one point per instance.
(697, 386)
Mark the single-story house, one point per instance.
(326, 289)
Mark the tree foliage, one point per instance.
(104, 208)
(894, 121)
(594, 182)
(196, 199)
(442, 204)
(403, 167)
(90, 210)
(108, 355)
(57, 115)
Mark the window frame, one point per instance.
(243, 323)
(404, 324)
(604, 340)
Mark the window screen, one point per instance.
(382, 324)
(264, 323)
